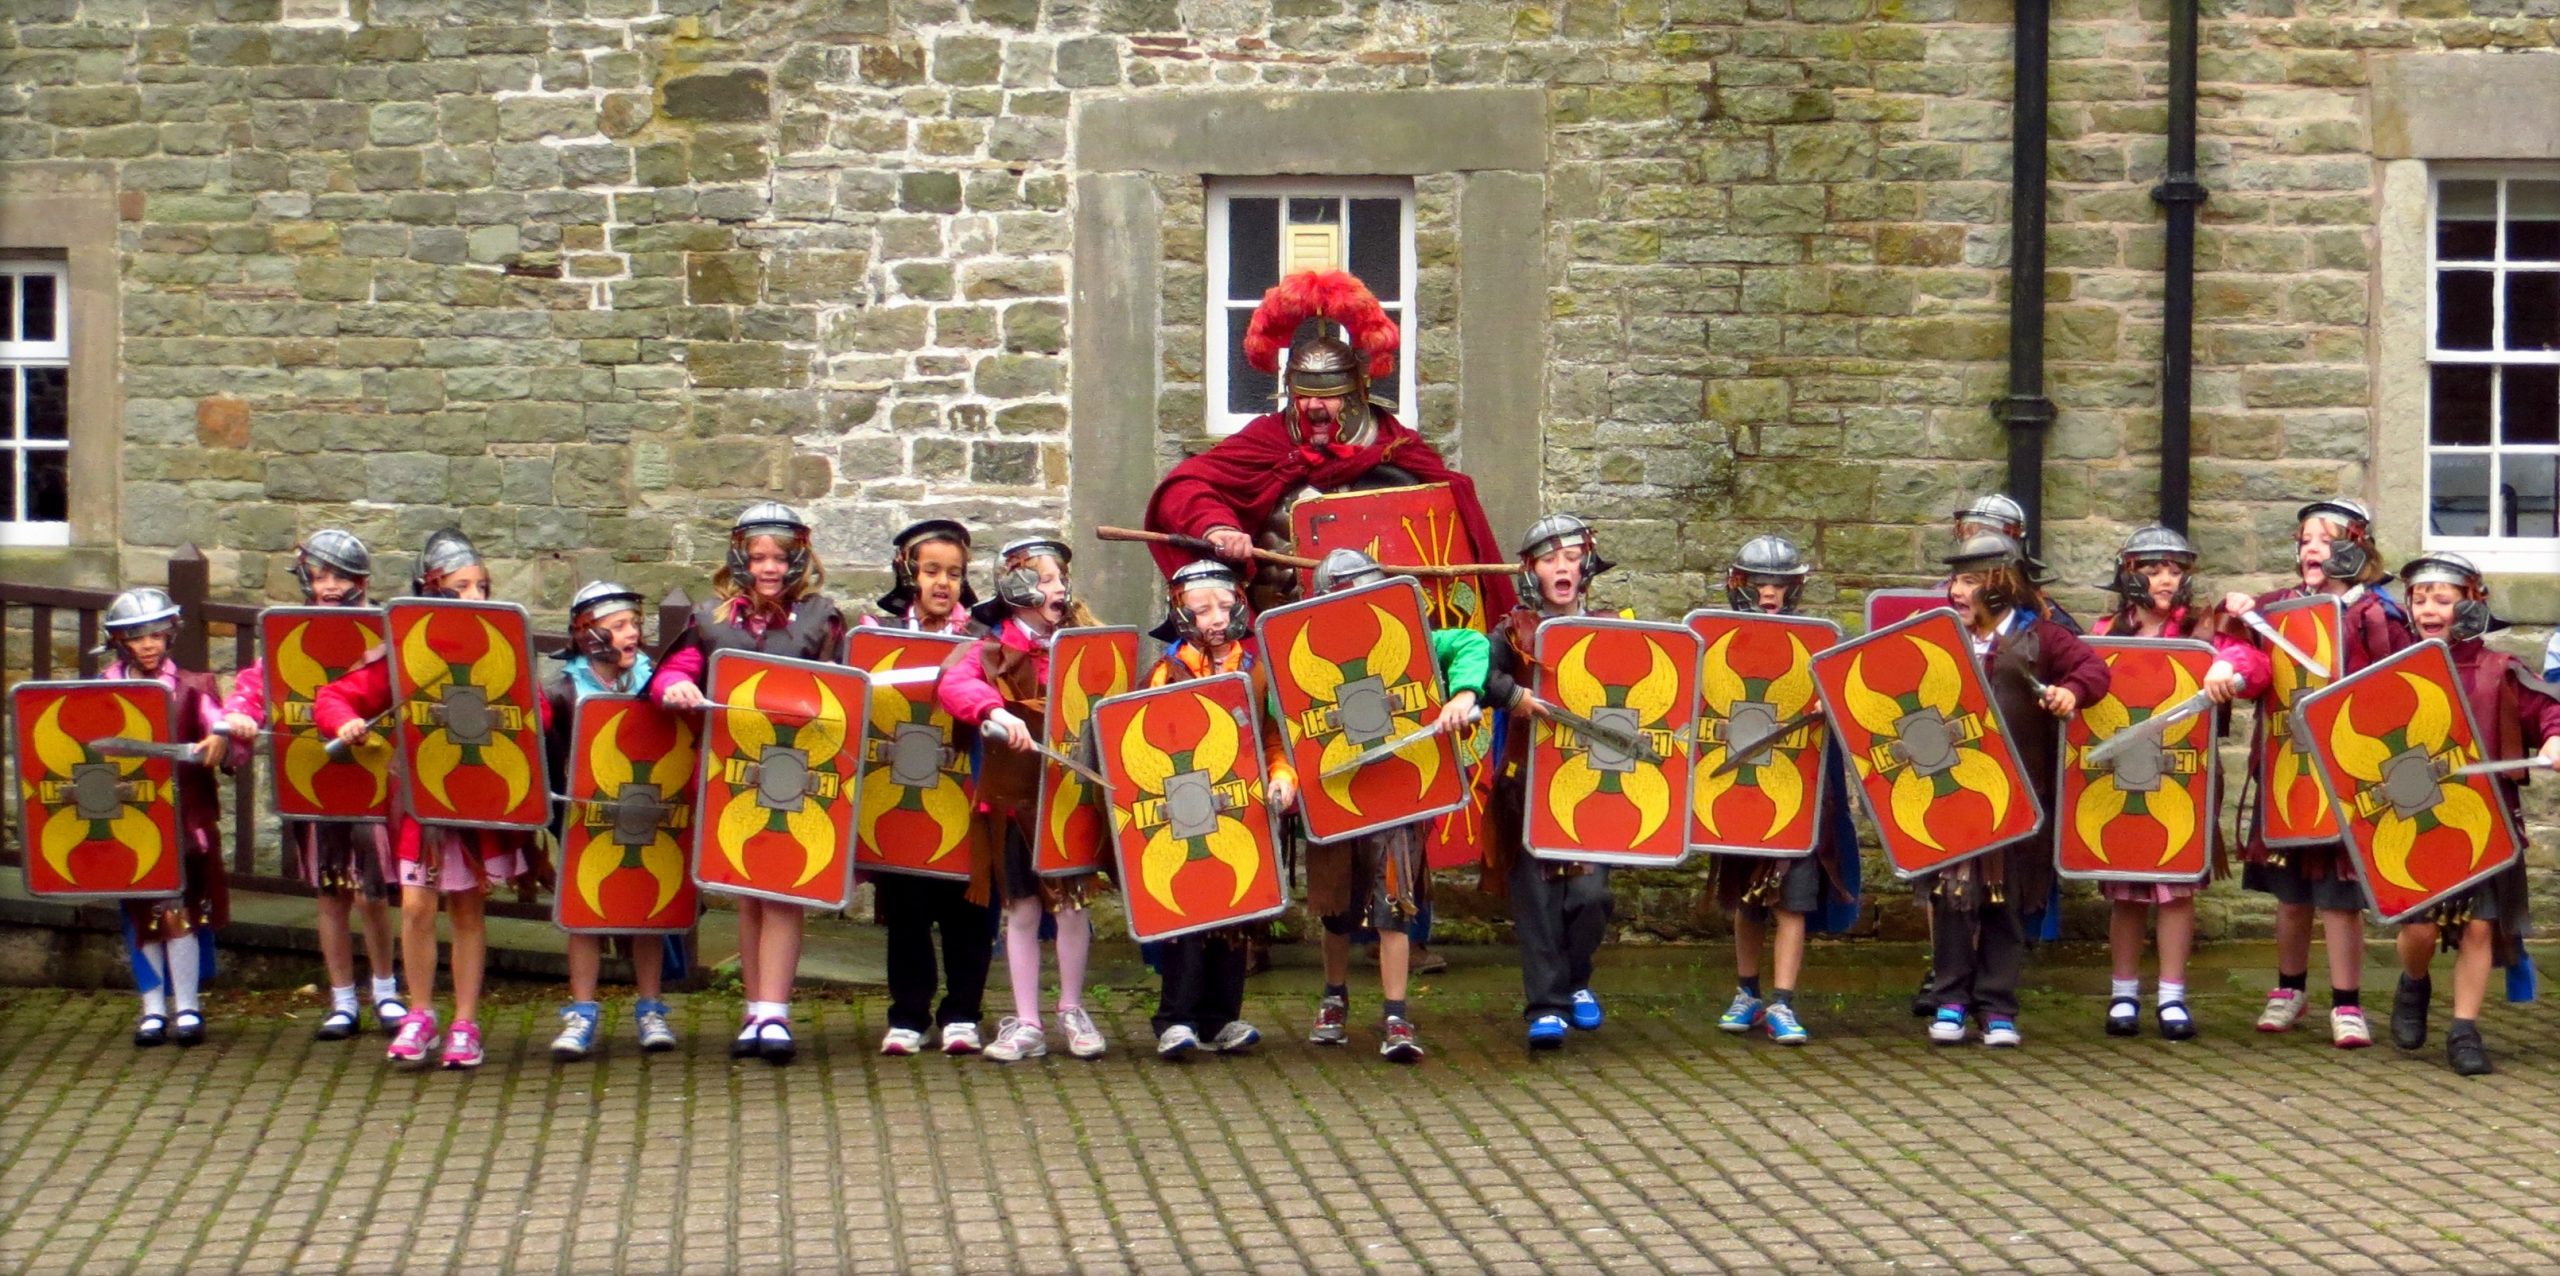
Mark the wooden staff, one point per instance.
(1199, 546)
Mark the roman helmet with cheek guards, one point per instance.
(1205, 573)
(2148, 544)
(2001, 561)
(1323, 366)
(2471, 617)
(1018, 576)
(1344, 568)
(2351, 558)
(137, 613)
(1999, 511)
(588, 608)
(447, 551)
(1772, 558)
(338, 550)
(777, 520)
(1552, 533)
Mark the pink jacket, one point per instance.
(2245, 659)
(964, 690)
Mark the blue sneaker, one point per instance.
(1947, 1028)
(1546, 1032)
(1586, 1010)
(577, 1038)
(1744, 1014)
(1783, 1027)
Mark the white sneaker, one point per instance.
(2347, 1030)
(1947, 1028)
(1177, 1041)
(2284, 1010)
(960, 1038)
(1016, 1040)
(1236, 1038)
(901, 1042)
(2000, 1033)
(1084, 1041)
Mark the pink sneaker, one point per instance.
(416, 1037)
(462, 1045)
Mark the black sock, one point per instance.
(1784, 996)
(1342, 991)
(2466, 1025)
(1749, 984)
(2340, 998)
(2298, 982)
(2425, 982)
(1394, 1008)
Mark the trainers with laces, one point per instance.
(901, 1042)
(1177, 1041)
(2001, 1033)
(656, 1034)
(417, 1036)
(1586, 1010)
(462, 1046)
(2347, 1030)
(2284, 1010)
(1333, 1022)
(1744, 1014)
(1546, 1032)
(1084, 1041)
(577, 1037)
(1783, 1025)
(1396, 1041)
(1947, 1028)
(1236, 1038)
(960, 1039)
(1016, 1040)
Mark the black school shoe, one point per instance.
(1924, 1006)
(2409, 1012)
(2468, 1054)
(2124, 1017)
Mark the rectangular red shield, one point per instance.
(1351, 670)
(2383, 742)
(1418, 526)
(632, 769)
(302, 649)
(1936, 768)
(2291, 809)
(914, 802)
(1594, 801)
(1755, 675)
(93, 825)
(1192, 841)
(466, 718)
(781, 776)
(1085, 666)
(1886, 607)
(2145, 814)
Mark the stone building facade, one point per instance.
(585, 276)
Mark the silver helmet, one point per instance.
(1551, 533)
(1344, 568)
(338, 550)
(594, 601)
(1018, 571)
(2350, 557)
(1773, 557)
(447, 551)
(1997, 556)
(775, 519)
(2152, 543)
(2343, 509)
(137, 612)
(2471, 617)
(1209, 573)
(1999, 511)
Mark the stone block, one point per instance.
(738, 95)
(713, 279)
(743, 364)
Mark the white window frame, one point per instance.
(19, 531)
(1222, 422)
(2537, 554)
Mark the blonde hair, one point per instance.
(813, 577)
(2374, 572)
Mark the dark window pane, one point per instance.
(1315, 212)
(2463, 309)
(2529, 404)
(2458, 407)
(48, 414)
(2458, 501)
(36, 300)
(8, 403)
(1377, 246)
(1253, 247)
(1249, 389)
(2466, 221)
(2533, 221)
(49, 486)
(8, 485)
(2529, 491)
(8, 307)
(2533, 311)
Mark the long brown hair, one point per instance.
(812, 578)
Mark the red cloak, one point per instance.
(1241, 480)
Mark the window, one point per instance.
(1263, 228)
(35, 416)
(2493, 368)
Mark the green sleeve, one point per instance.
(1463, 656)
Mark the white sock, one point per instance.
(2172, 994)
(2125, 987)
(384, 989)
(156, 1002)
(342, 998)
(766, 1010)
(779, 1010)
(186, 969)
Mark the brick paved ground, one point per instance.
(1656, 1144)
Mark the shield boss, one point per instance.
(1367, 714)
(782, 779)
(1191, 804)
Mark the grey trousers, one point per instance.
(1560, 922)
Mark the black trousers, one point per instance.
(1203, 982)
(913, 907)
(1559, 922)
(1977, 953)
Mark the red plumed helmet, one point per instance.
(1337, 295)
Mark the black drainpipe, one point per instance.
(2026, 410)
(2180, 194)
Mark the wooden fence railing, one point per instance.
(204, 619)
